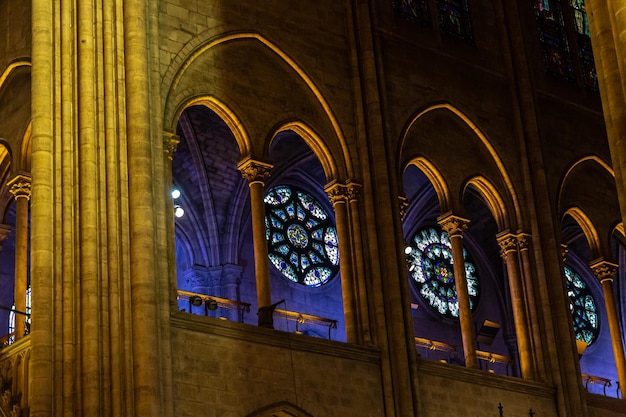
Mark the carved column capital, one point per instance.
(337, 192)
(170, 143)
(507, 242)
(254, 171)
(453, 225)
(523, 241)
(354, 191)
(19, 186)
(604, 270)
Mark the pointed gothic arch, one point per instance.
(281, 409)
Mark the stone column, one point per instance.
(531, 303)
(256, 172)
(455, 226)
(509, 252)
(362, 299)
(20, 188)
(605, 272)
(231, 279)
(170, 143)
(338, 195)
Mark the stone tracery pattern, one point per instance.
(429, 257)
(583, 307)
(301, 237)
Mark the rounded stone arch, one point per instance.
(492, 199)
(436, 179)
(175, 91)
(315, 143)
(588, 229)
(224, 112)
(582, 194)
(281, 409)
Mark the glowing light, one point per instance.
(175, 193)
(178, 211)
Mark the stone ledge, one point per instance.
(607, 403)
(253, 334)
(478, 377)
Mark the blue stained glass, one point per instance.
(582, 306)
(429, 258)
(283, 267)
(278, 195)
(315, 258)
(306, 252)
(316, 234)
(284, 249)
(414, 10)
(277, 237)
(291, 211)
(275, 221)
(281, 213)
(454, 19)
(312, 206)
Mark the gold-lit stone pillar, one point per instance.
(170, 143)
(364, 327)
(256, 172)
(455, 226)
(605, 272)
(509, 251)
(20, 188)
(339, 195)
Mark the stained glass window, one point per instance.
(588, 68)
(429, 258)
(454, 19)
(12, 316)
(553, 23)
(553, 36)
(414, 10)
(301, 235)
(582, 306)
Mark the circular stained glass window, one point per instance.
(582, 306)
(301, 235)
(429, 258)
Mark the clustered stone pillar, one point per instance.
(255, 173)
(454, 226)
(605, 272)
(20, 188)
(339, 195)
(509, 251)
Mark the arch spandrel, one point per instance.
(15, 111)
(216, 69)
(587, 194)
(455, 144)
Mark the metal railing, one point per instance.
(212, 303)
(302, 318)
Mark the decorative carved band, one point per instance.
(254, 171)
(604, 270)
(523, 241)
(20, 186)
(508, 243)
(453, 225)
(354, 191)
(337, 192)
